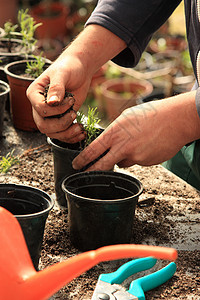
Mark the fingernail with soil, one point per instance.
(53, 100)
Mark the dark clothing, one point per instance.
(135, 21)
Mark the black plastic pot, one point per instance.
(31, 207)
(157, 94)
(63, 155)
(4, 92)
(101, 208)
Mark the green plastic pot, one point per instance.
(31, 207)
(101, 208)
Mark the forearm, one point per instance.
(181, 117)
(93, 47)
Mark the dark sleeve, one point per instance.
(134, 21)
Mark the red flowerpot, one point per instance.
(8, 11)
(122, 93)
(53, 18)
(20, 106)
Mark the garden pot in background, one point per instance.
(101, 208)
(31, 207)
(53, 17)
(50, 48)
(122, 93)
(20, 106)
(8, 11)
(4, 91)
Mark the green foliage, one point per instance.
(89, 124)
(35, 67)
(27, 29)
(9, 28)
(186, 62)
(8, 161)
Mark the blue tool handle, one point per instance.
(151, 281)
(128, 269)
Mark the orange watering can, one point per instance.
(20, 280)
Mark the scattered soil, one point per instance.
(172, 219)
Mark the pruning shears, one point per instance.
(109, 285)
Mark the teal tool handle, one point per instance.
(128, 269)
(149, 282)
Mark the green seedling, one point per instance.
(8, 161)
(89, 124)
(35, 67)
(9, 28)
(27, 29)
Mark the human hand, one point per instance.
(146, 134)
(54, 117)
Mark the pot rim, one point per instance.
(20, 62)
(106, 85)
(46, 196)
(7, 87)
(60, 148)
(107, 173)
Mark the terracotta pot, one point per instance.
(8, 11)
(121, 93)
(171, 44)
(20, 106)
(53, 19)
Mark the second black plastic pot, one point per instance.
(101, 208)
(31, 207)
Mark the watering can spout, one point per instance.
(20, 280)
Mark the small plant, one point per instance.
(89, 123)
(26, 26)
(27, 29)
(9, 28)
(35, 67)
(8, 161)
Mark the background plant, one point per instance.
(9, 28)
(8, 161)
(27, 29)
(27, 26)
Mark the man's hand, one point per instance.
(146, 134)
